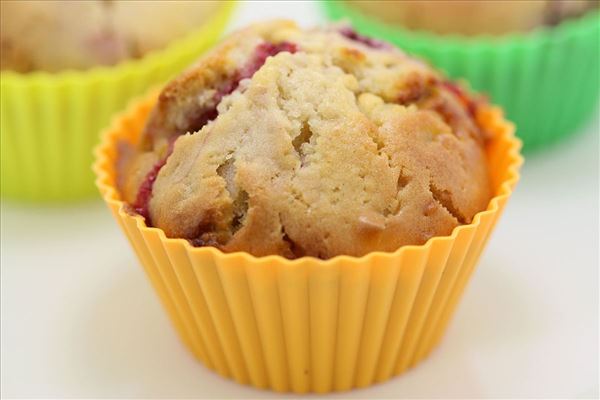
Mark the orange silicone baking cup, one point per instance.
(308, 324)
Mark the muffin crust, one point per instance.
(308, 143)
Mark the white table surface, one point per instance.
(79, 318)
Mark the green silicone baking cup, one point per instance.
(50, 123)
(547, 80)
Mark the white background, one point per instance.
(79, 318)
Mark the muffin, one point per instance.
(474, 17)
(313, 145)
(91, 33)
(308, 143)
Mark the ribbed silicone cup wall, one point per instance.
(50, 123)
(547, 81)
(307, 324)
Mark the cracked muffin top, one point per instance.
(322, 142)
(54, 35)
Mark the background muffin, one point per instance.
(474, 17)
(318, 143)
(56, 35)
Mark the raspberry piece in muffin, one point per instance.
(261, 53)
(308, 143)
(367, 41)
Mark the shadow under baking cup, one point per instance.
(50, 123)
(307, 324)
(547, 81)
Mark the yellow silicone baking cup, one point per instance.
(50, 123)
(308, 324)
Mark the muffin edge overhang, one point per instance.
(105, 157)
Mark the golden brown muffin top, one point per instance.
(308, 143)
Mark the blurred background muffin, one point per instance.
(469, 17)
(56, 35)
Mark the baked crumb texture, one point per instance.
(308, 143)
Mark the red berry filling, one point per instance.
(367, 41)
(145, 191)
(467, 102)
(261, 53)
(205, 115)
